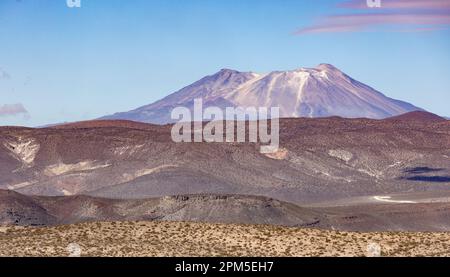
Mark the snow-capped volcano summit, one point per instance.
(305, 92)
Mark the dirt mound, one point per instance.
(418, 116)
(17, 209)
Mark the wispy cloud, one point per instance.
(13, 110)
(4, 75)
(399, 4)
(415, 15)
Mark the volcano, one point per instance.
(323, 91)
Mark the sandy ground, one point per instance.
(200, 239)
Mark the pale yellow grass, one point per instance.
(199, 239)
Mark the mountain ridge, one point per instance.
(303, 92)
(419, 116)
(25, 210)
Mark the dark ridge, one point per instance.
(433, 179)
(422, 169)
(421, 116)
(103, 124)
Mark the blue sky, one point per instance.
(68, 64)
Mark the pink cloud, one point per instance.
(327, 29)
(426, 18)
(13, 110)
(422, 29)
(400, 4)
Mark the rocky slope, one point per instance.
(17, 209)
(21, 210)
(319, 160)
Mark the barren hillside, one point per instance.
(319, 160)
